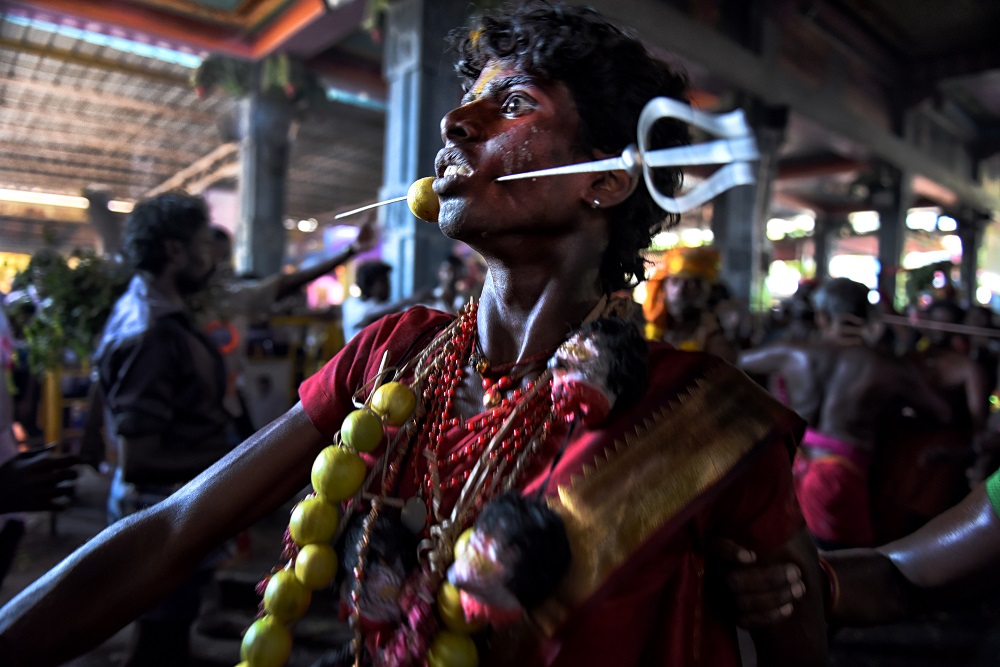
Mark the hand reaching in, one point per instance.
(34, 481)
(367, 232)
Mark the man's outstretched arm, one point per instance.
(128, 567)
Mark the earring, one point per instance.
(597, 202)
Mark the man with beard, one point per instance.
(163, 382)
(676, 305)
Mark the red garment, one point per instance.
(832, 490)
(704, 453)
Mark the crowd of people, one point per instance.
(632, 424)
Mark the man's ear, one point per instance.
(609, 188)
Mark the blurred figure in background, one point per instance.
(372, 278)
(31, 481)
(676, 304)
(843, 389)
(163, 382)
(230, 305)
(922, 467)
(447, 296)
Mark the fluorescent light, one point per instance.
(66, 201)
(120, 206)
(44, 198)
(923, 219)
(984, 295)
(946, 223)
(362, 100)
(864, 222)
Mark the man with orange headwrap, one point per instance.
(676, 304)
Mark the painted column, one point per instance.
(890, 196)
(422, 88)
(109, 225)
(740, 214)
(970, 231)
(821, 244)
(265, 125)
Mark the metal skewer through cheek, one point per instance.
(735, 149)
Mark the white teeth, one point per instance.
(455, 170)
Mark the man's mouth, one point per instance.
(457, 170)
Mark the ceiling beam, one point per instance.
(266, 28)
(96, 97)
(674, 31)
(16, 150)
(94, 62)
(789, 170)
(219, 173)
(93, 174)
(122, 146)
(142, 19)
(96, 125)
(218, 156)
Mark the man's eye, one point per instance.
(514, 105)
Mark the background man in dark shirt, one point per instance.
(163, 382)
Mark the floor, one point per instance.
(966, 636)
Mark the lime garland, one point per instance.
(338, 473)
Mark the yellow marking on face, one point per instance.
(489, 73)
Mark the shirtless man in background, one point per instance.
(842, 388)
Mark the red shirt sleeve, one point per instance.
(327, 395)
(759, 510)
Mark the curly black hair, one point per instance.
(611, 77)
(170, 215)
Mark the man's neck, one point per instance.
(166, 285)
(525, 310)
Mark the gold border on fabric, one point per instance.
(648, 476)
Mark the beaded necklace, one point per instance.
(513, 432)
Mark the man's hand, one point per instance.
(35, 481)
(764, 594)
(367, 233)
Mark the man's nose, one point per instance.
(459, 124)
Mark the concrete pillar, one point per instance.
(970, 231)
(739, 215)
(422, 88)
(890, 196)
(265, 125)
(109, 225)
(821, 245)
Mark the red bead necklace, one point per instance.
(528, 410)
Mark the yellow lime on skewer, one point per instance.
(422, 199)
(267, 643)
(451, 649)
(313, 521)
(285, 598)
(449, 603)
(337, 473)
(316, 565)
(362, 430)
(395, 402)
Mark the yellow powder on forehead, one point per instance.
(474, 36)
(488, 74)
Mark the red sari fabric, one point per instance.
(636, 593)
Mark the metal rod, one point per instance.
(365, 208)
(941, 326)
